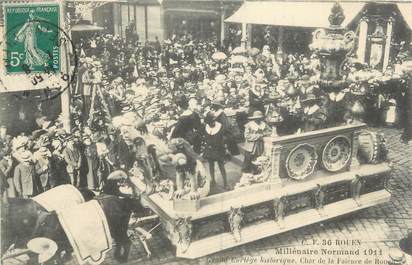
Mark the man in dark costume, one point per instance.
(188, 126)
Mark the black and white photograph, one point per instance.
(205, 132)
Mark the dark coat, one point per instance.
(189, 127)
(229, 137)
(125, 155)
(24, 179)
(256, 103)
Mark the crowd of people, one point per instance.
(130, 97)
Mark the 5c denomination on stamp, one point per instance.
(36, 50)
(31, 44)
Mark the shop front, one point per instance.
(201, 24)
(153, 19)
(201, 19)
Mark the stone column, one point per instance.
(116, 19)
(388, 43)
(248, 36)
(163, 36)
(146, 26)
(244, 35)
(222, 25)
(362, 39)
(279, 52)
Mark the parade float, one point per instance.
(304, 178)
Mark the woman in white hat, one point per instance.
(255, 130)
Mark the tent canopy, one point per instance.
(406, 11)
(294, 14)
(85, 27)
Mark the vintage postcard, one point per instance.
(206, 132)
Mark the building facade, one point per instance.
(151, 19)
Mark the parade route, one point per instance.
(371, 230)
(206, 132)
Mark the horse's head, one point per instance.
(47, 226)
(18, 219)
(25, 219)
(87, 194)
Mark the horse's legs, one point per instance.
(126, 247)
(117, 251)
(122, 249)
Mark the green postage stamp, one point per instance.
(32, 38)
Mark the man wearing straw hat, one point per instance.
(73, 159)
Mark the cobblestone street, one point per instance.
(378, 227)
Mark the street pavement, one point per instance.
(376, 228)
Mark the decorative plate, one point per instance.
(301, 161)
(337, 153)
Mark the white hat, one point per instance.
(180, 159)
(101, 149)
(117, 174)
(46, 248)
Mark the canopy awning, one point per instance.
(294, 14)
(406, 11)
(85, 27)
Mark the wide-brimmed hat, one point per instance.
(220, 78)
(118, 175)
(237, 70)
(256, 115)
(97, 64)
(140, 81)
(56, 143)
(259, 72)
(44, 247)
(261, 160)
(20, 142)
(126, 109)
(101, 149)
(180, 159)
(309, 98)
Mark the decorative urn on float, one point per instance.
(332, 45)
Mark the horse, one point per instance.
(117, 211)
(25, 219)
(22, 219)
